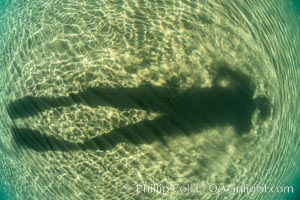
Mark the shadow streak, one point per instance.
(186, 112)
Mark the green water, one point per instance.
(57, 57)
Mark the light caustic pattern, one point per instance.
(53, 50)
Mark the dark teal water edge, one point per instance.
(296, 189)
(297, 5)
(2, 193)
(296, 183)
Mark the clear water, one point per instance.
(98, 96)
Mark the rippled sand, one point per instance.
(55, 48)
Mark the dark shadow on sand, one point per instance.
(182, 112)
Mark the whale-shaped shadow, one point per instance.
(181, 112)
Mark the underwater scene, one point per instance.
(149, 99)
